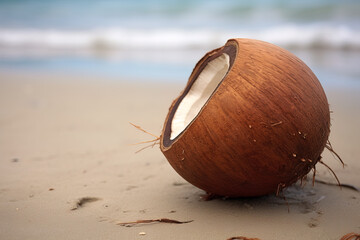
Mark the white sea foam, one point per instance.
(290, 36)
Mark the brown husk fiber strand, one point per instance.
(265, 125)
(153, 142)
(344, 185)
(160, 220)
(351, 236)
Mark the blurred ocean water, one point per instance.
(162, 40)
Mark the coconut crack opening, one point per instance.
(199, 93)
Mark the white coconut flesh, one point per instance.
(201, 90)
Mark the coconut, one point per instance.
(252, 119)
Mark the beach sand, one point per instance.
(69, 171)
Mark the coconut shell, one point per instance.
(263, 128)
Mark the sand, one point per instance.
(69, 171)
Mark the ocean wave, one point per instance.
(288, 36)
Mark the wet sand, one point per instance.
(69, 171)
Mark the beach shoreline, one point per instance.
(69, 169)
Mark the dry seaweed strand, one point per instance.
(153, 142)
(160, 220)
(242, 238)
(351, 236)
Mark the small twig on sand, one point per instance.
(242, 238)
(351, 236)
(160, 220)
